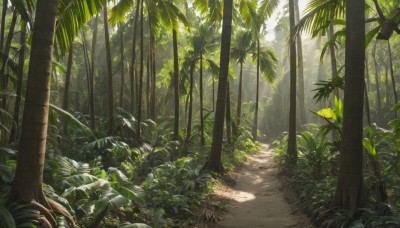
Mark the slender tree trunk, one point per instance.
(350, 186)
(30, 163)
(387, 89)
(239, 100)
(335, 135)
(87, 64)
(378, 93)
(132, 68)
(255, 125)
(20, 75)
(152, 76)
(109, 72)
(68, 82)
(121, 92)
(176, 84)
(149, 73)
(92, 73)
(392, 76)
(368, 80)
(3, 71)
(300, 64)
(202, 141)
(292, 147)
(214, 160)
(228, 114)
(140, 96)
(190, 114)
(3, 24)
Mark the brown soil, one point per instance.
(257, 199)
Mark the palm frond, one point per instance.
(119, 11)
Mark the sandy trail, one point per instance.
(257, 198)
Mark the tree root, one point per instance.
(58, 208)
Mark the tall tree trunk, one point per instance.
(202, 141)
(30, 163)
(213, 93)
(92, 73)
(20, 76)
(350, 186)
(378, 93)
(67, 82)
(392, 76)
(109, 72)
(149, 73)
(87, 64)
(300, 64)
(292, 147)
(228, 114)
(257, 92)
(152, 76)
(335, 135)
(132, 68)
(140, 95)
(214, 160)
(3, 71)
(239, 100)
(190, 113)
(121, 91)
(3, 24)
(176, 84)
(387, 89)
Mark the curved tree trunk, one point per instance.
(176, 84)
(20, 75)
(214, 160)
(350, 185)
(292, 147)
(30, 164)
(109, 72)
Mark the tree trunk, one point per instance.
(239, 100)
(20, 75)
(292, 147)
(190, 113)
(121, 91)
(176, 84)
(67, 82)
(30, 164)
(202, 141)
(300, 64)
(257, 92)
(92, 73)
(3, 71)
(378, 93)
(214, 160)
(335, 135)
(228, 114)
(140, 95)
(87, 64)
(132, 68)
(3, 24)
(350, 185)
(387, 89)
(109, 72)
(392, 77)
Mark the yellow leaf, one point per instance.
(327, 113)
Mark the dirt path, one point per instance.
(257, 197)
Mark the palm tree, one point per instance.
(244, 45)
(109, 73)
(292, 147)
(214, 160)
(350, 185)
(29, 173)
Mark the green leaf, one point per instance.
(368, 145)
(6, 218)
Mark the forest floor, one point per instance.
(257, 198)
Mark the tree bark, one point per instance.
(133, 66)
(392, 76)
(20, 75)
(68, 82)
(190, 113)
(30, 163)
(350, 186)
(3, 24)
(257, 92)
(121, 91)
(202, 141)
(378, 93)
(239, 100)
(176, 84)
(335, 135)
(109, 74)
(214, 160)
(140, 95)
(292, 147)
(228, 114)
(92, 73)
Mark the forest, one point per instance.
(132, 113)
